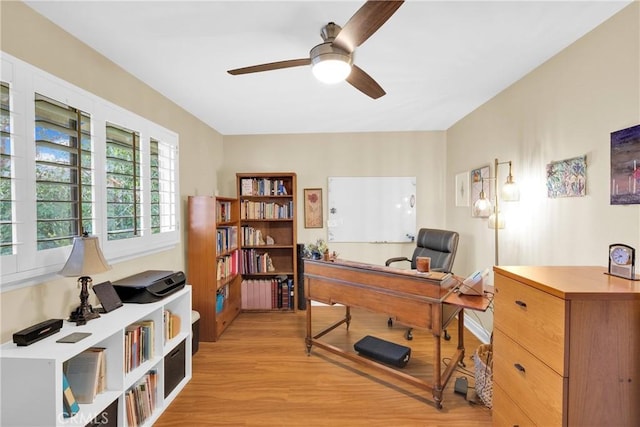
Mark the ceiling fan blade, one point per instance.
(271, 66)
(364, 83)
(366, 21)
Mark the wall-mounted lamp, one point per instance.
(86, 258)
(482, 206)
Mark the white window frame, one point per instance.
(29, 266)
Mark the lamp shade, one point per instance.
(86, 258)
(492, 221)
(510, 192)
(482, 207)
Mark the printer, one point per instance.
(149, 286)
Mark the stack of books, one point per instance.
(84, 377)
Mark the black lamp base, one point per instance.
(82, 315)
(84, 312)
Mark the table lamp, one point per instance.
(85, 258)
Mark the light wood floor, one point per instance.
(258, 374)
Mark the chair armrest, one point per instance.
(396, 259)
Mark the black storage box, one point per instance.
(174, 369)
(149, 286)
(195, 331)
(106, 418)
(383, 351)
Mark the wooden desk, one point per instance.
(409, 297)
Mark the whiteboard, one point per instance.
(371, 209)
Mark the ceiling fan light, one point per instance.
(330, 64)
(331, 71)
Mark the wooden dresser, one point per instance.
(566, 347)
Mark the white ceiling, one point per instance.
(437, 60)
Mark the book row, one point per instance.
(172, 325)
(140, 400)
(138, 344)
(227, 266)
(223, 211)
(254, 262)
(250, 209)
(267, 294)
(226, 239)
(262, 187)
(252, 236)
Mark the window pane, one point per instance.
(64, 175)
(163, 186)
(124, 203)
(6, 174)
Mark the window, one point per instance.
(124, 209)
(6, 174)
(163, 186)
(64, 173)
(72, 162)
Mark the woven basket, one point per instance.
(482, 359)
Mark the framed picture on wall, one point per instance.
(567, 178)
(313, 208)
(462, 189)
(625, 166)
(477, 186)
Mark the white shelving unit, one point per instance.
(31, 376)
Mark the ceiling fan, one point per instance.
(336, 52)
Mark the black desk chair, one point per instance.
(441, 247)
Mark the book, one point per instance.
(83, 374)
(70, 405)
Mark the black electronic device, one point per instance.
(107, 296)
(149, 286)
(37, 332)
(74, 337)
(383, 351)
(461, 386)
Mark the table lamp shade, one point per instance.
(86, 258)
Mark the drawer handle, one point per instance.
(519, 367)
(521, 303)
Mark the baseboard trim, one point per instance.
(476, 329)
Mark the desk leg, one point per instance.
(461, 335)
(437, 374)
(347, 316)
(308, 339)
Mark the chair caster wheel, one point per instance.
(408, 336)
(390, 322)
(447, 337)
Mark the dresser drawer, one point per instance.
(532, 318)
(505, 411)
(538, 388)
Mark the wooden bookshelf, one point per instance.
(267, 211)
(213, 258)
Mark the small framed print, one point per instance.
(462, 189)
(313, 208)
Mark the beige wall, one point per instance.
(31, 38)
(316, 157)
(566, 108)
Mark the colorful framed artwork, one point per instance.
(477, 175)
(567, 178)
(625, 166)
(313, 208)
(462, 189)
